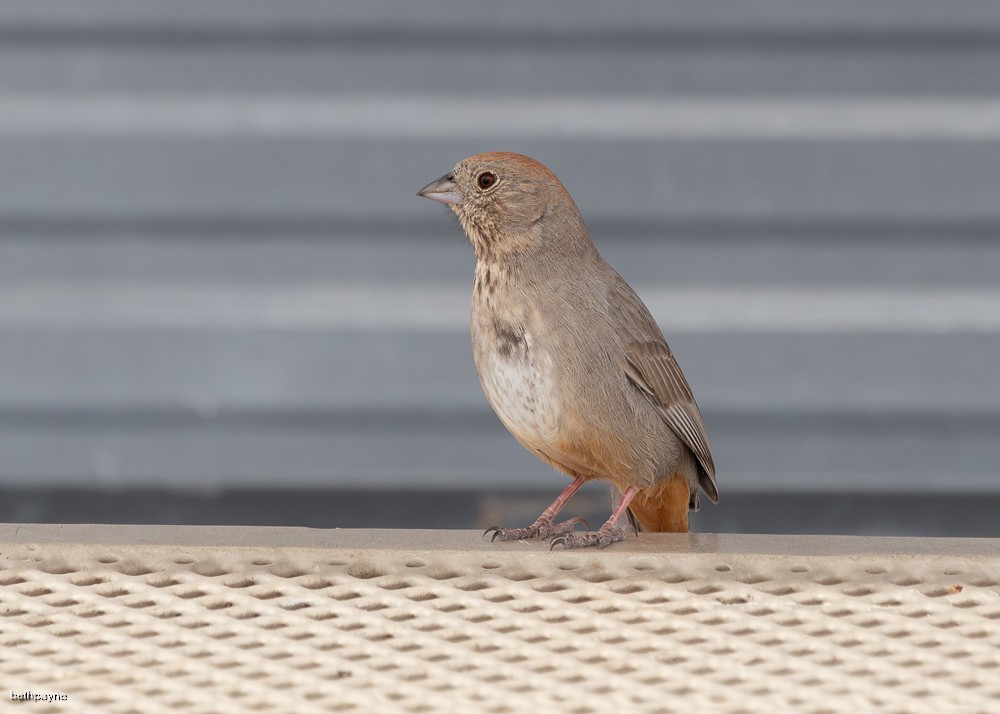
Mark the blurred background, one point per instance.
(222, 302)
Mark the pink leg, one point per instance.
(544, 526)
(607, 534)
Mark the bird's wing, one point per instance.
(651, 367)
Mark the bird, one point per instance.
(570, 358)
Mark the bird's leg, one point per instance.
(545, 525)
(607, 534)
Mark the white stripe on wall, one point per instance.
(322, 307)
(541, 118)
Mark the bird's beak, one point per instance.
(443, 190)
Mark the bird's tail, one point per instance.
(663, 507)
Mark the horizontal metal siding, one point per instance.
(200, 151)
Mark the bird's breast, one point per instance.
(516, 375)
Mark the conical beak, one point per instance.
(443, 190)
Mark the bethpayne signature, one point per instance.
(30, 696)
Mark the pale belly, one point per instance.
(520, 392)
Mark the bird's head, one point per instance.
(507, 202)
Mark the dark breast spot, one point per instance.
(484, 281)
(509, 338)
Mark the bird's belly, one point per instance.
(520, 392)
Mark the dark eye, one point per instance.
(486, 180)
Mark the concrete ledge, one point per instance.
(15, 535)
(209, 619)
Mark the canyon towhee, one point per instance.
(570, 358)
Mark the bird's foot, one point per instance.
(542, 528)
(606, 535)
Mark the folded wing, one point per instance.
(651, 367)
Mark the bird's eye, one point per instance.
(486, 180)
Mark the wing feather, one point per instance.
(652, 368)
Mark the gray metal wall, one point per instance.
(214, 270)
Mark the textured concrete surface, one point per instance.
(151, 619)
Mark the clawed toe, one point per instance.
(541, 528)
(601, 538)
(562, 534)
(501, 533)
(565, 527)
